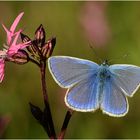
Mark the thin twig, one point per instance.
(45, 95)
(65, 124)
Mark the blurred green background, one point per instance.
(63, 20)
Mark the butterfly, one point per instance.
(92, 86)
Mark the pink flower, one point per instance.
(12, 46)
(11, 32)
(1, 69)
(95, 24)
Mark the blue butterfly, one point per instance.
(92, 86)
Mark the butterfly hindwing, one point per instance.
(83, 96)
(114, 101)
(69, 70)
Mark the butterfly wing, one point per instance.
(83, 96)
(68, 71)
(127, 77)
(114, 102)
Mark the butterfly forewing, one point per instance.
(68, 71)
(127, 77)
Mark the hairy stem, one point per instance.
(46, 101)
(65, 124)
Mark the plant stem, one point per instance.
(33, 61)
(46, 101)
(65, 124)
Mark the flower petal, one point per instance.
(2, 64)
(10, 33)
(15, 39)
(16, 21)
(14, 47)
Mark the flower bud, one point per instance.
(20, 58)
(40, 36)
(24, 38)
(36, 112)
(32, 48)
(47, 49)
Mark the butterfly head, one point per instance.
(104, 72)
(105, 63)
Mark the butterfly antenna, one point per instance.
(96, 54)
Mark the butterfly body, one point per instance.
(92, 86)
(104, 72)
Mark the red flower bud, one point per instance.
(40, 36)
(20, 58)
(47, 49)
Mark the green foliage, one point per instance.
(22, 83)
